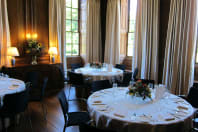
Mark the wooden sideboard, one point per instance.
(52, 71)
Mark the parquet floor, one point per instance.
(54, 121)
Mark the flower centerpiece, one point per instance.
(96, 65)
(34, 49)
(140, 89)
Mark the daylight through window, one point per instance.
(72, 27)
(131, 30)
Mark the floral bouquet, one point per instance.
(96, 65)
(140, 89)
(33, 47)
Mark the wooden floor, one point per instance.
(54, 121)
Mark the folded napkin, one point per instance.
(102, 108)
(15, 81)
(98, 101)
(98, 104)
(182, 107)
(14, 86)
(170, 119)
(95, 96)
(118, 115)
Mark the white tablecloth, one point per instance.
(100, 74)
(114, 109)
(10, 86)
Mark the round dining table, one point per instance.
(10, 86)
(114, 109)
(101, 73)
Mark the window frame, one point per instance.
(79, 38)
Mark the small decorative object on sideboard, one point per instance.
(12, 52)
(53, 51)
(33, 47)
(139, 89)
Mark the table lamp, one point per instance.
(12, 51)
(53, 51)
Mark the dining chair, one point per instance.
(126, 79)
(71, 118)
(100, 84)
(80, 83)
(37, 91)
(192, 98)
(14, 104)
(75, 66)
(195, 85)
(120, 66)
(135, 73)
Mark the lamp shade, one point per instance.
(12, 51)
(53, 51)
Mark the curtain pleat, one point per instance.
(112, 42)
(57, 28)
(4, 33)
(145, 56)
(93, 32)
(178, 74)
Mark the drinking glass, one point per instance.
(115, 85)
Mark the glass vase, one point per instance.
(34, 60)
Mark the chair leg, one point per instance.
(30, 121)
(44, 109)
(64, 130)
(3, 125)
(69, 91)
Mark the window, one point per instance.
(72, 27)
(131, 27)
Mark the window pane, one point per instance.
(68, 37)
(68, 25)
(131, 34)
(132, 26)
(74, 26)
(68, 13)
(68, 49)
(75, 38)
(74, 3)
(75, 14)
(130, 50)
(68, 3)
(130, 38)
(133, 8)
(75, 49)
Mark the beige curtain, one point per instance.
(178, 74)
(93, 32)
(83, 28)
(112, 42)
(4, 32)
(57, 28)
(145, 56)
